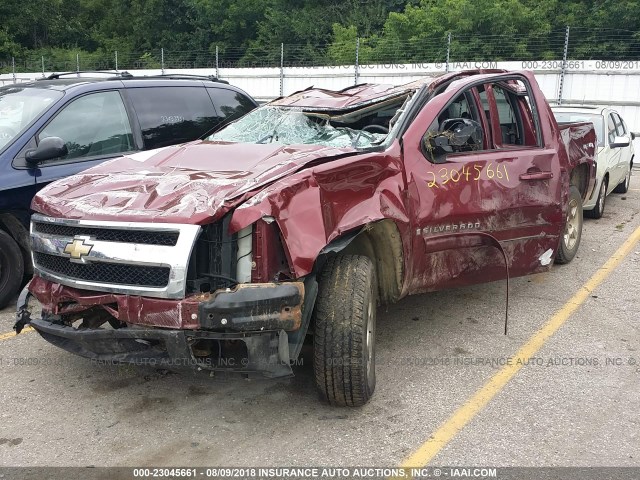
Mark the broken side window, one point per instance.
(457, 129)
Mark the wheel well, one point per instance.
(580, 178)
(382, 243)
(14, 227)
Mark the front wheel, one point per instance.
(11, 268)
(570, 240)
(344, 332)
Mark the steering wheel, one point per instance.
(373, 128)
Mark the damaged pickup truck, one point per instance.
(303, 216)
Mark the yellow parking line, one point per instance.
(5, 336)
(461, 417)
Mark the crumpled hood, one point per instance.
(193, 183)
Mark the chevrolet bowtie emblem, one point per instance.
(78, 248)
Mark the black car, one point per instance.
(59, 126)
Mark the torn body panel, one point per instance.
(194, 184)
(245, 307)
(316, 206)
(358, 96)
(200, 331)
(265, 353)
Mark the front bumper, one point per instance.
(267, 353)
(242, 330)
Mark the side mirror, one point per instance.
(619, 142)
(49, 147)
(634, 135)
(454, 135)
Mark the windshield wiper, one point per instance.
(354, 142)
(264, 139)
(271, 136)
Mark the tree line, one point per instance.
(322, 31)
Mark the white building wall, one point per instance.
(591, 82)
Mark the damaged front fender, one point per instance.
(318, 205)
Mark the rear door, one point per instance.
(624, 157)
(612, 154)
(170, 115)
(504, 186)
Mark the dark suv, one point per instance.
(53, 128)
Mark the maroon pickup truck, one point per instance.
(303, 216)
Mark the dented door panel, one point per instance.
(509, 193)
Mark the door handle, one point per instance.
(535, 174)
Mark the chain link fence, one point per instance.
(565, 44)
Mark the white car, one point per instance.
(614, 153)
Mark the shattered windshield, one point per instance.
(19, 106)
(290, 125)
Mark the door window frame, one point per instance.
(20, 162)
(495, 145)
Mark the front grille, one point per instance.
(146, 237)
(109, 273)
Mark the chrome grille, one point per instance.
(115, 273)
(110, 235)
(133, 258)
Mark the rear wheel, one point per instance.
(624, 186)
(598, 210)
(570, 240)
(11, 268)
(344, 332)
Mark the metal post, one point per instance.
(357, 66)
(42, 59)
(282, 69)
(78, 64)
(13, 68)
(564, 65)
(162, 60)
(448, 50)
(217, 65)
(116, 60)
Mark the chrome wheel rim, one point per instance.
(571, 231)
(370, 337)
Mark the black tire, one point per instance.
(624, 186)
(11, 268)
(572, 233)
(344, 332)
(598, 210)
